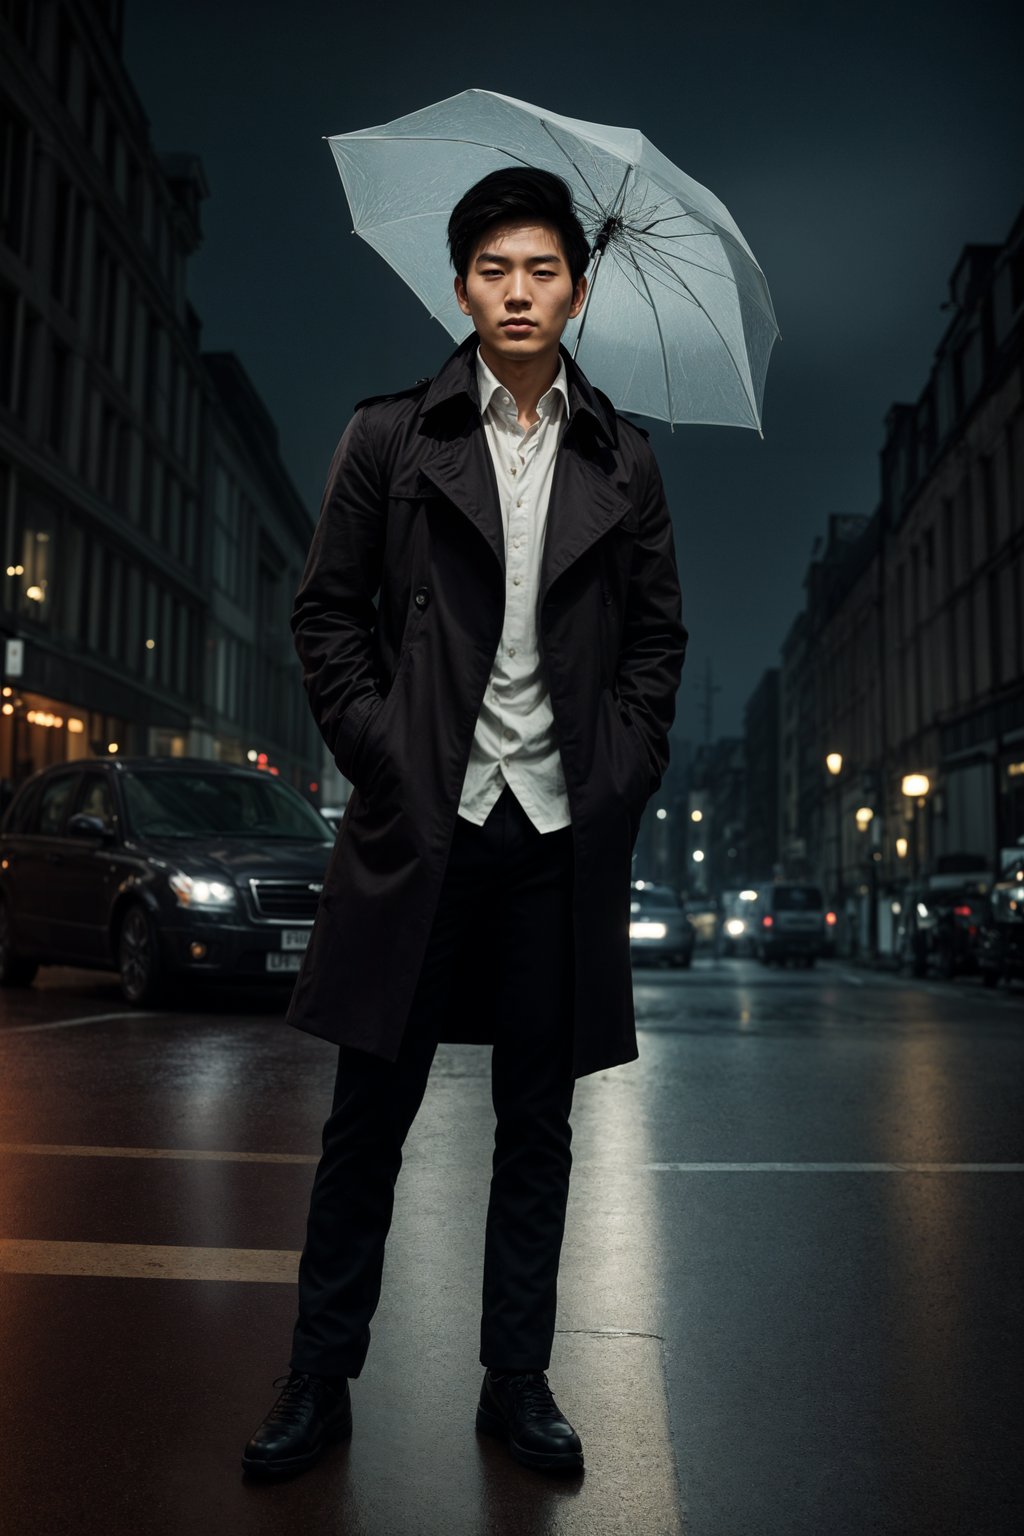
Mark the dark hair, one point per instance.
(521, 192)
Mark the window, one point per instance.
(60, 365)
(228, 536)
(53, 804)
(15, 140)
(64, 262)
(35, 551)
(95, 798)
(9, 306)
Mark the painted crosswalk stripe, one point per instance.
(148, 1261)
(834, 1167)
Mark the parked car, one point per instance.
(939, 928)
(1000, 949)
(660, 933)
(791, 923)
(160, 868)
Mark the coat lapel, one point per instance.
(461, 470)
(585, 503)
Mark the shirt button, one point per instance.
(519, 502)
(517, 581)
(511, 650)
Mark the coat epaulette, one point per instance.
(399, 394)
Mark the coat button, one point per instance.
(421, 597)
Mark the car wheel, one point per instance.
(15, 970)
(138, 956)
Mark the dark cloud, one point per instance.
(859, 148)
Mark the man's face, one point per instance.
(519, 293)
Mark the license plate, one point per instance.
(279, 962)
(294, 938)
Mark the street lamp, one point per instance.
(834, 764)
(915, 787)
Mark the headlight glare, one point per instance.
(201, 893)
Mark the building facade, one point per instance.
(112, 425)
(905, 672)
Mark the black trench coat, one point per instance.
(397, 622)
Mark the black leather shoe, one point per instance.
(311, 1412)
(520, 1409)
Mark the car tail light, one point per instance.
(767, 921)
(971, 930)
(831, 919)
(961, 911)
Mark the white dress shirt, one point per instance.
(514, 740)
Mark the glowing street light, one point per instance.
(834, 763)
(698, 857)
(864, 817)
(915, 785)
(696, 815)
(902, 847)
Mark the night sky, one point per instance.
(858, 148)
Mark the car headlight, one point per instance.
(647, 930)
(201, 893)
(735, 926)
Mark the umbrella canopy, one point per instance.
(678, 323)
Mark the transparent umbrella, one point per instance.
(678, 324)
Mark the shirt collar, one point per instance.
(493, 392)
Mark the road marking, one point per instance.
(833, 1167)
(148, 1261)
(201, 1155)
(180, 1154)
(91, 1018)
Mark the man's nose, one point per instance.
(517, 293)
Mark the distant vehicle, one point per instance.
(737, 922)
(163, 869)
(703, 914)
(939, 928)
(660, 932)
(791, 923)
(1000, 948)
(332, 814)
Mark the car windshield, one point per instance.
(652, 898)
(1008, 905)
(183, 804)
(797, 898)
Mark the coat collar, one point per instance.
(588, 495)
(457, 381)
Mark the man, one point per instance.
(503, 714)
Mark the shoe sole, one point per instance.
(258, 1467)
(493, 1424)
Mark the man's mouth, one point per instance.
(518, 325)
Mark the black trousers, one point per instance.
(508, 887)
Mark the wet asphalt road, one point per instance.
(790, 1296)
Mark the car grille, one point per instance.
(291, 901)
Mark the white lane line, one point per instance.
(833, 1167)
(179, 1154)
(202, 1155)
(91, 1018)
(148, 1261)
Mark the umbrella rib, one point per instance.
(661, 338)
(562, 149)
(711, 321)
